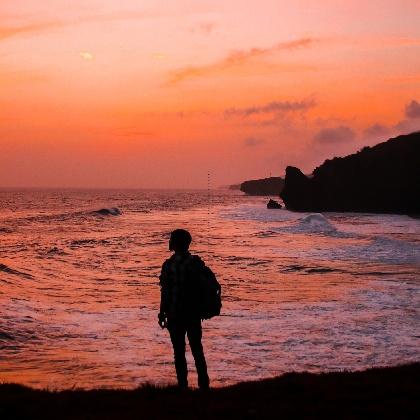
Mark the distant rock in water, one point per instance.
(265, 186)
(113, 211)
(272, 204)
(381, 179)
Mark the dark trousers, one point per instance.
(177, 330)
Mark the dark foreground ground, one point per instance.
(375, 394)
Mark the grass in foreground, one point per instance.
(375, 393)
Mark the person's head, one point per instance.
(180, 240)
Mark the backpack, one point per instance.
(210, 293)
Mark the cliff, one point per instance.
(382, 179)
(265, 186)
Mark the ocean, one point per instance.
(79, 293)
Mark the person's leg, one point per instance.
(194, 337)
(177, 333)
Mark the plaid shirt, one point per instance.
(179, 288)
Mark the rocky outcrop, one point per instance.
(383, 179)
(265, 186)
(272, 204)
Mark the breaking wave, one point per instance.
(382, 249)
(62, 217)
(113, 211)
(315, 223)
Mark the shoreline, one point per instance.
(381, 392)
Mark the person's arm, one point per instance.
(163, 311)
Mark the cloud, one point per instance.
(11, 77)
(39, 27)
(236, 58)
(340, 134)
(412, 110)
(407, 126)
(408, 79)
(278, 107)
(252, 142)
(376, 130)
(205, 28)
(412, 121)
(159, 56)
(399, 42)
(11, 31)
(86, 55)
(132, 133)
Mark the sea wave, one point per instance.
(290, 222)
(316, 223)
(65, 217)
(313, 224)
(310, 269)
(257, 213)
(55, 251)
(5, 230)
(386, 250)
(5, 336)
(5, 269)
(113, 211)
(375, 249)
(88, 242)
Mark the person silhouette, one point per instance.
(179, 306)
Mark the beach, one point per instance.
(300, 291)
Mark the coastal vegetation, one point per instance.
(379, 179)
(375, 393)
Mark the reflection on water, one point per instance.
(79, 295)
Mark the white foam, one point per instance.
(385, 250)
(315, 223)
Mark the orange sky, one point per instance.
(107, 93)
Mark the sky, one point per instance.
(157, 94)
